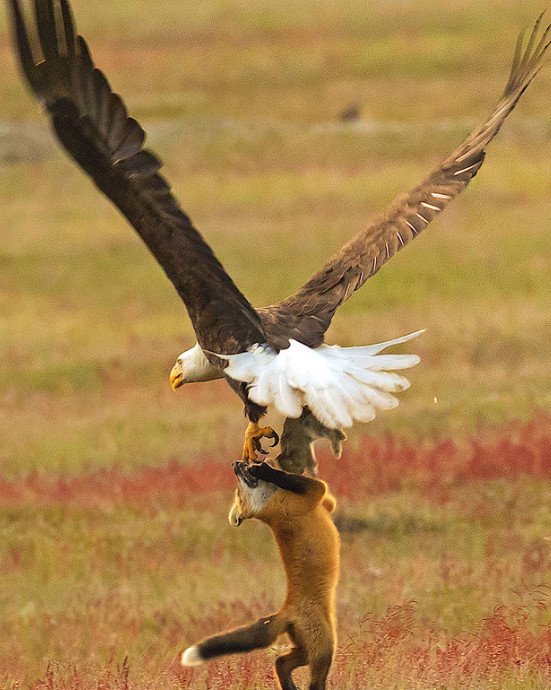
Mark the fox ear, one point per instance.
(235, 515)
(329, 502)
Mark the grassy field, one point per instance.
(113, 553)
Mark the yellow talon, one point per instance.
(253, 434)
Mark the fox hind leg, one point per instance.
(319, 669)
(286, 664)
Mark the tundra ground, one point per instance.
(115, 551)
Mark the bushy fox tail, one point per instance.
(260, 634)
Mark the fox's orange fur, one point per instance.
(297, 509)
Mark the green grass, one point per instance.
(89, 320)
(241, 100)
(142, 580)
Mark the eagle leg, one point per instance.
(252, 445)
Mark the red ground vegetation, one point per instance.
(375, 652)
(502, 643)
(390, 463)
(372, 652)
(376, 466)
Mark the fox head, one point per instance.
(274, 496)
(251, 496)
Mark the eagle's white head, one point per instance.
(193, 366)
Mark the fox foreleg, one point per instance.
(296, 483)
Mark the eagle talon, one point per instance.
(252, 444)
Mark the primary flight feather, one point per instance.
(274, 355)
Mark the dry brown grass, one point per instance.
(108, 570)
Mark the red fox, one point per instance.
(297, 509)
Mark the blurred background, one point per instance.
(283, 127)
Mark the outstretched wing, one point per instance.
(92, 124)
(306, 315)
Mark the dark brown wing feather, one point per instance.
(306, 315)
(92, 124)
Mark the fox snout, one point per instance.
(242, 471)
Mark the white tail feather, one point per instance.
(338, 384)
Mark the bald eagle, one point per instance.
(274, 355)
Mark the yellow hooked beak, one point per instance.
(176, 376)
